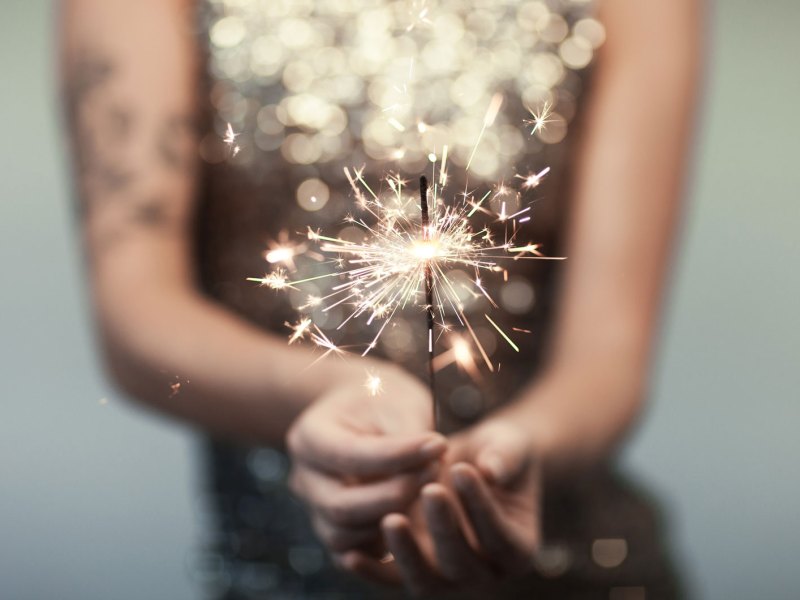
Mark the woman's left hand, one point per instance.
(479, 523)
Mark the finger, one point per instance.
(503, 461)
(358, 563)
(363, 503)
(457, 561)
(481, 507)
(417, 575)
(341, 539)
(337, 450)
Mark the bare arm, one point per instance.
(626, 206)
(130, 74)
(630, 176)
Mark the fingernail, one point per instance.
(433, 447)
(392, 521)
(432, 491)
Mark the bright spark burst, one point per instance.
(299, 329)
(532, 180)
(230, 140)
(373, 384)
(323, 341)
(539, 119)
(404, 260)
(276, 280)
(385, 273)
(176, 387)
(283, 251)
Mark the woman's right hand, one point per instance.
(358, 456)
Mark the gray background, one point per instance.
(98, 501)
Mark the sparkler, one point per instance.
(405, 260)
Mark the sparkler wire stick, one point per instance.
(423, 205)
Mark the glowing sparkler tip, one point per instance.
(425, 250)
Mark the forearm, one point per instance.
(130, 77)
(576, 415)
(625, 207)
(236, 380)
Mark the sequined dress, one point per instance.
(313, 87)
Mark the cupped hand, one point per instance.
(357, 457)
(478, 524)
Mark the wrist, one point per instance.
(574, 416)
(525, 413)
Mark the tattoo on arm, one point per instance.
(99, 174)
(151, 212)
(171, 143)
(105, 126)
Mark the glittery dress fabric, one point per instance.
(314, 87)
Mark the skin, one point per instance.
(627, 201)
(464, 511)
(131, 108)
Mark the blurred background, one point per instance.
(98, 500)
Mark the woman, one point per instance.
(520, 499)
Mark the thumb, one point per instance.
(503, 457)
